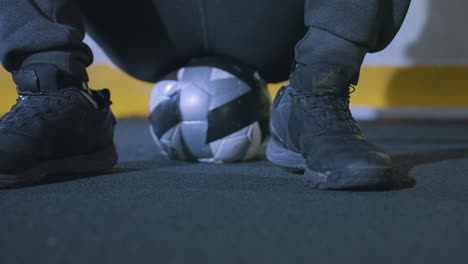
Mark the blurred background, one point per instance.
(422, 74)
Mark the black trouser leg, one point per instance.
(132, 34)
(43, 31)
(343, 31)
(153, 37)
(259, 33)
(150, 38)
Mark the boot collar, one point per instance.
(323, 79)
(44, 78)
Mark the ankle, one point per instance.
(42, 77)
(323, 79)
(325, 48)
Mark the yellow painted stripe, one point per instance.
(379, 87)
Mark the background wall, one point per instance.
(434, 32)
(423, 73)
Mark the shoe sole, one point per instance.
(283, 157)
(359, 179)
(95, 162)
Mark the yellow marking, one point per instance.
(379, 87)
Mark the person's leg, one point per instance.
(261, 34)
(133, 36)
(58, 124)
(163, 36)
(43, 31)
(341, 32)
(311, 125)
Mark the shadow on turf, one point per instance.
(403, 163)
(416, 141)
(72, 177)
(122, 167)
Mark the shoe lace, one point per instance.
(331, 111)
(28, 106)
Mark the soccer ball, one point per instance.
(210, 115)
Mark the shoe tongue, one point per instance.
(322, 79)
(44, 78)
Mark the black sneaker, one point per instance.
(313, 131)
(57, 126)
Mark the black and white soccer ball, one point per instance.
(210, 114)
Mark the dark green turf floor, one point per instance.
(150, 210)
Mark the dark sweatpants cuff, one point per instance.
(321, 47)
(69, 62)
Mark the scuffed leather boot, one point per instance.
(57, 126)
(313, 130)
